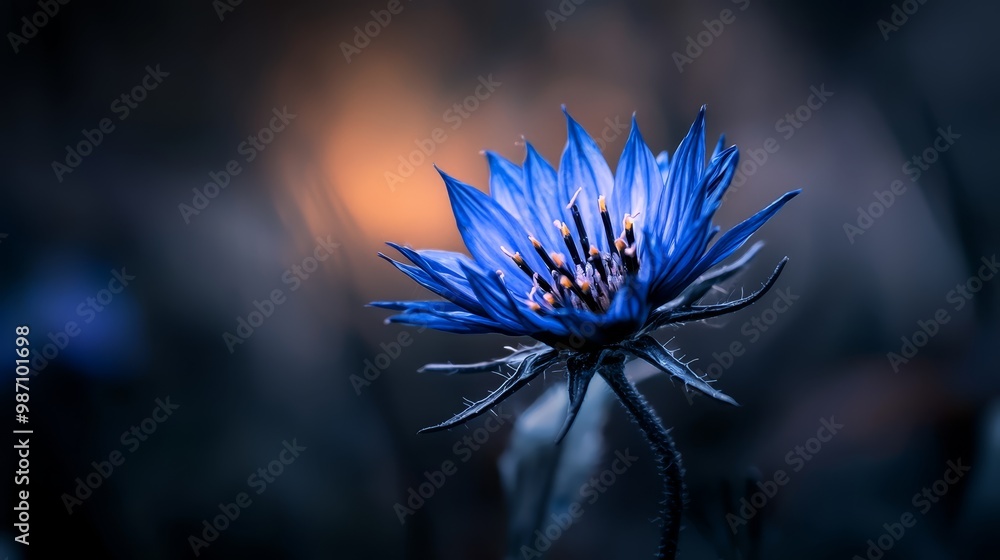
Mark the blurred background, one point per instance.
(201, 189)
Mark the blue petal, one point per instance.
(442, 268)
(738, 235)
(418, 306)
(494, 297)
(685, 175)
(720, 173)
(697, 216)
(422, 278)
(628, 311)
(486, 227)
(507, 185)
(719, 146)
(459, 323)
(583, 167)
(637, 178)
(542, 184)
(663, 163)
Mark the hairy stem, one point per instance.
(668, 460)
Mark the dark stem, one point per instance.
(668, 460)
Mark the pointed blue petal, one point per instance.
(738, 235)
(493, 296)
(459, 323)
(663, 163)
(719, 146)
(486, 227)
(720, 174)
(696, 218)
(442, 268)
(432, 306)
(685, 176)
(507, 185)
(542, 185)
(583, 167)
(637, 178)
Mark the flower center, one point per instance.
(589, 279)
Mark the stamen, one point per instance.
(620, 245)
(584, 241)
(541, 282)
(597, 262)
(568, 240)
(519, 261)
(558, 260)
(541, 253)
(551, 300)
(581, 287)
(606, 218)
(585, 296)
(630, 261)
(629, 232)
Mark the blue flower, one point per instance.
(586, 262)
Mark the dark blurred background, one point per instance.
(838, 100)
